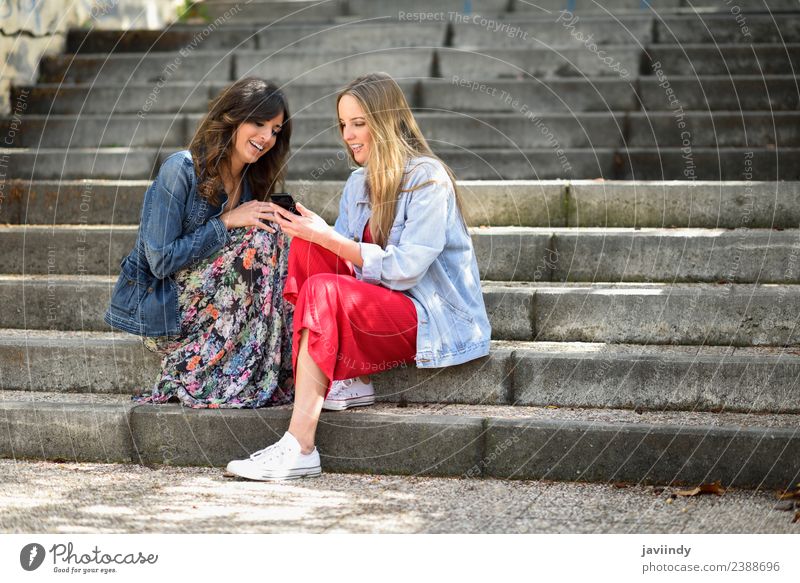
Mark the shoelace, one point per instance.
(339, 386)
(270, 451)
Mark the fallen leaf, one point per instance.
(796, 517)
(715, 488)
(790, 494)
(621, 485)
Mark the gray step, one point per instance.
(527, 63)
(555, 31)
(510, 442)
(636, 313)
(285, 66)
(655, 378)
(723, 129)
(589, 7)
(276, 37)
(173, 97)
(308, 163)
(726, 28)
(525, 204)
(443, 129)
(734, 93)
(705, 163)
(539, 95)
(732, 59)
(226, 12)
(413, 11)
(742, 93)
(152, 68)
(653, 7)
(504, 253)
(469, 164)
(297, 66)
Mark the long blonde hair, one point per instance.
(396, 138)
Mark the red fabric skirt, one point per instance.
(355, 328)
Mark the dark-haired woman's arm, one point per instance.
(166, 246)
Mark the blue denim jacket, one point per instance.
(177, 228)
(429, 256)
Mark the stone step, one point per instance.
(550, 204)
(528, 63)
(421, 11)
(562, 374)
(174, 97)
(275, 37)
(285, 66)
(448, 440)
(701, 163)
(724, 129)
(443, 129)
(733, 59)
(522, 254)
(229, 12)
(635, 313)
(659, 7)
(726, 92)
(556, 30)
(726, 28)
(738, 93)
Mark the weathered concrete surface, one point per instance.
(448, 440)
(44, 497)
(573, 374)
(577, 203)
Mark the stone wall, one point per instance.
(32, 28)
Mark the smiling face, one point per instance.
(353, 125)
(253, 139)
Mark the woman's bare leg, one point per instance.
(310, 387)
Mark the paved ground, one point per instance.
(46, 497)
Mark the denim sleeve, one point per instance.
(166, 246)
(401, 266)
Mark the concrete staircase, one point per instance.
(645, 329)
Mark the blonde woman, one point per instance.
(394, 281)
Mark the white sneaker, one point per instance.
(349, 393)
(280, 461)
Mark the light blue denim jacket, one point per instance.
(428, 256)
(177, 227)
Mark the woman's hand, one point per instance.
(307, 225)
(249, 214)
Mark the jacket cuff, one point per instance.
(222, 232)
(372, 255)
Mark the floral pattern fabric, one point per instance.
(235, 346)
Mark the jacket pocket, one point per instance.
(455, 328)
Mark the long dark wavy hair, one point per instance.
(248, 100)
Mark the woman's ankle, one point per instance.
(364, 379)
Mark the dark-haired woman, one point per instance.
(204, 282)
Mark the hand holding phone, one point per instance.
(285, 201)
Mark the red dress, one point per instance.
(355, 328)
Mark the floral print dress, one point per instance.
(235, 346)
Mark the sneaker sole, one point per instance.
(342, 405)
(294, 474)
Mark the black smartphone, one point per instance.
(285, 201)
